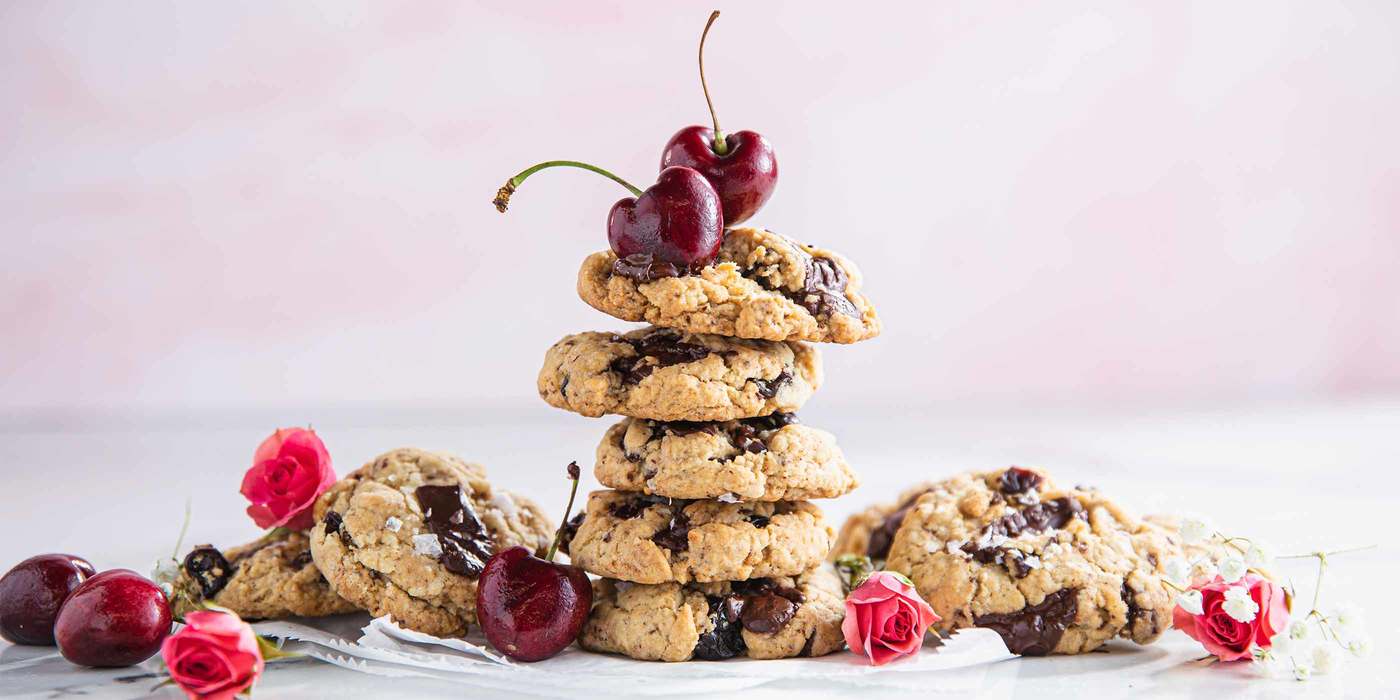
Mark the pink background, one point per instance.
(241, 204)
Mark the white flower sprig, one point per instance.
(1317, 643)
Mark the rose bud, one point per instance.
(214, 657)
(886, 618)
(291, 469)
(1235, 617)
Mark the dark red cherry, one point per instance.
(116, 618)
(677, 220)
(675, 225)
(532, 608)
(741, 166)
(32, 593)
(744, 176)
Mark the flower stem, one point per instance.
(1332, 553)
(502, 200)
(573, 472)
(720, 145)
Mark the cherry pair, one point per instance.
(708, 180)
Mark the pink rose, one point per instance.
(886, 618)
(214, 656)
(291, 469)
(1224, 636)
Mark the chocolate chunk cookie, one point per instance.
(650, 539)
(762, 285)
(871, 531)
(1051, 570)
(665, 374)
(407, 534)
(771, 458)
(767, 618)
(268, 579)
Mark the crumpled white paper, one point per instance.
(383, 648)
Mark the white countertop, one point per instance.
(1302, 476)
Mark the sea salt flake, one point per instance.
(728, 498)
(505, 504)
(393, 524)
(427, 545)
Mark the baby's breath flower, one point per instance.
(1190, 601)
(1177, 570)
(1257, 555)
(1301, 672)
(1233, 569)
(1204, 572)
(1360, 648)
(1239, 605)
(1326, 658)
(1299, 630)
(1195, 529)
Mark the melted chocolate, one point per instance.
(208, 567)
(643, 267)
(1035, 629)
(767, 613)
(676, 536)
(768, 388)
(824, 289)
(1017, 480)
(772, 421)
(663, 345)
(1049, 515)
(725, 639)
(302, 559)
(756, 520)
(633, 507)
(465, 543)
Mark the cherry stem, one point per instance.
(502, 200)
(720, 145)
(559, 534)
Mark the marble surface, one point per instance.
(1301, 475)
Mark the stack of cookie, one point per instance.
(708, 546)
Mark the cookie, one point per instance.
(762, 285)
(771, 458)
(649, 539)
(407, 534)
(1051, 570)
(768, 618)
(271, 578)
(665, 374)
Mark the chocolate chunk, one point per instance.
(824, 289)
(465, 542)
(302, 559)
(681, 428)
(1035, 629)
(1049, 515)
(745, 437)
(335, 525)
(643, 267)
(772, 421)
(676, 536)
(1018, 480)
(633, 507)
(664, 345)
(725, 638)
(767, 613)
(570, 530)
(208, 567)
(756, 520)
(768, 388)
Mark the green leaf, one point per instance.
(271, 651)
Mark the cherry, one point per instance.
(116, 618)
(741, 165)
(32, 593)
(532, 608)
(675, 225)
